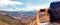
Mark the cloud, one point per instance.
(7, 2)
(4, 3)
(37, 7)
(29, 7)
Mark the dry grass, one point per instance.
(5, 20)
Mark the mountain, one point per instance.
(19, 18)
(22, 17)
(6, 20)
(20, 12)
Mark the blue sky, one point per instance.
(25, 5)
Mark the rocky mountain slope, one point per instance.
(6, 20)
(9, 18)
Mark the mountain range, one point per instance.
(22, 17)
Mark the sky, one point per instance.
(24, 5)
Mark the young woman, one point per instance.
(55, 13)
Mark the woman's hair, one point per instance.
(54, 14)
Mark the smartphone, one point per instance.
(42, 12)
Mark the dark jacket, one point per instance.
(54, 14)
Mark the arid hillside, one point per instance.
(6, 20)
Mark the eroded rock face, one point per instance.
(25, 19)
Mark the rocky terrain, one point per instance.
(23, 18)
(19, 18)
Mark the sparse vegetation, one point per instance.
(5, 20)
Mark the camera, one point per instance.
(42, 10)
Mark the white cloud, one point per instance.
(29, 7)
(4, 3)
(7, 2)
(37, 7)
